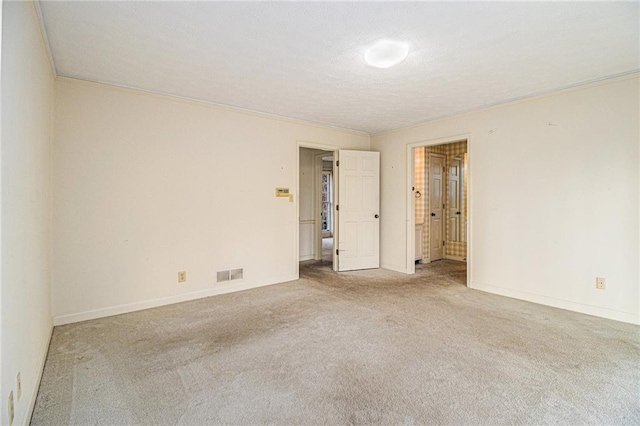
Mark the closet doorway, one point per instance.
(439, 202)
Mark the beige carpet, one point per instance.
(370, 347)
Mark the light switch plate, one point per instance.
(282, 192)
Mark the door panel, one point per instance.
(358, 210)
(436, 207)
(455, 210)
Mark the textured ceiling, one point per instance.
(305, 60)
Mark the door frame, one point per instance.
(410, 199)
(331, 148)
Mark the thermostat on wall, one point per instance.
(282, 192)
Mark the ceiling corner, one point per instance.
(45, 38)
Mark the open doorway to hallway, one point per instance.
(327, 217)
(440, 201)
(316, 205)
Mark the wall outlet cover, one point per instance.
(182, 276)
(600, 283)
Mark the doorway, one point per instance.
(439, 209)
(354, 195)
(315, 205)
(326, 209)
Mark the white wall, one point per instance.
(148, 185)
(27, 102)
(552, 205)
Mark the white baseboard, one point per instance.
(559, 303)
(306, 257)
(229, 287)
(459, 259)
(396, 268)
(36, 388)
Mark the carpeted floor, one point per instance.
(368, 347)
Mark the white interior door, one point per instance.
(436, 206)
(455, 199)
(358, 210)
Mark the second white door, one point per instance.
(436, 207)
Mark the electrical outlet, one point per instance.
(600, 283)
(18, 387)
(182, 276)
(10, 408)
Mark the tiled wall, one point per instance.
(450, 151)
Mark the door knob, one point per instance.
(457, 212)
(376, 216)
(433, 214)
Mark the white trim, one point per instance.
(469, 195)
(456, 258)
(569, 88)
(229, 287)
(314, 145)
(211, 104)
(307, 257)
(560, 303)
(552, 92)
(34, 392)
(45, 37)
(2, 285)
(410, 206)
(392, 267)
(410, 223)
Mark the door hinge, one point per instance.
(337, 252)
(443, 169)
(338, 163)
(337, 207)
(413, 188)
(443, 242)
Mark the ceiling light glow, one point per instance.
(386, 53)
